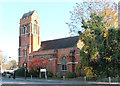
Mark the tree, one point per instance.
(97, 23)
(112, 52)
(14, 63)
(100, 53)
(83, 10)
(10, 65)
(4, 60)
(38, 63)
(92, 38)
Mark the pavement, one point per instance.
(48, 81)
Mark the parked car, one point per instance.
(3, 74)
(8, 73)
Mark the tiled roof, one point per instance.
(27, 14)
(59, 43)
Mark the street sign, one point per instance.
(42, 70)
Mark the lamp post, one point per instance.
(25, 65)
(10, 62)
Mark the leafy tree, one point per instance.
(99, 51)
(10, 65)
(112, 52)
(38, 63)
(97, 24)
(83, 10)
(92, 38)
(14, 64)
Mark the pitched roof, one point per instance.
(59, 43)
(27, 14)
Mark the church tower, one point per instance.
(29, 36)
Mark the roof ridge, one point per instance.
(60, 38)
(27, 14)
(59, 43)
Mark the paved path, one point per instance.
(0, 81)
(43, 82)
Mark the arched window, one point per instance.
(64, 63)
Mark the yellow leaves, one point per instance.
(94, 56)
(105, 35)
(102, 13)
(115, 23)
(108, 58)
(106, 27)
(108, 12)
(118, 28)
(86, 68)
(110, 17)
(115, 16)
(89, 72)
(108, 21)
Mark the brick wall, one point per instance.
(54, 64)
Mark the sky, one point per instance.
(53, 15)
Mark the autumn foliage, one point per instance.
(83, 10)
(96, 22)
(38, 63)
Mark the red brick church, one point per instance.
(62, 54)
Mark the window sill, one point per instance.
(64, 70)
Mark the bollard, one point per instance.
(9, 76)
(109, 80)
(85, 78)
(31, 76)
(63, 77)
(46, 77)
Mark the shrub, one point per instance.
(33, 73)
(49, 74)
(58, 75)
(90, 74)
(71, 75)
(20, 72)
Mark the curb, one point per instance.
(65, 81)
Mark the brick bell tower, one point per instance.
(29, 37)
